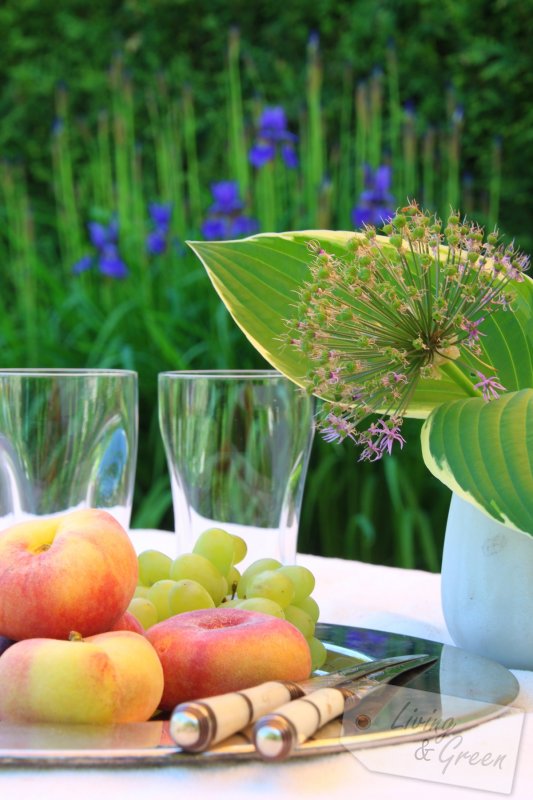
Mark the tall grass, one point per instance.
(144, 147)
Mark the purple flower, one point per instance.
(243, 226)
(215, 228)
(225, 219)
(111, 264)
(84, 263)
(490, 387)
(226, 197)
(107, 259)
(472, 328)
(272, 133)
(380, 438)
(102, 235)
(98, 234)
(375, 204)
(156, 241)
(273, 125)
(160, 214)
(260, 154)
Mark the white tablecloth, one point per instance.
(348, 592)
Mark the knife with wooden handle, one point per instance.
(276, 735)
(198, 724)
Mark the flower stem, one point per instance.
(457, 375)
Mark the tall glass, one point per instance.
(238, 444)
(68, 440)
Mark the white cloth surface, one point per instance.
(350, 593)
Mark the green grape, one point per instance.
(273, 585)
(310, 606)
(158, 594)
(300, 620)
(240, 548)
(257, 566)
(188, 595)
(303, 581)
(230, 603)
(318, 652)
(218, 546)
(233, 577)
(195, 567)
(263, 605)
(141, 591)
(144, 610)
(153, 566)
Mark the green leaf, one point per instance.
(483, 451)
(258, 280)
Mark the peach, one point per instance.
(76, 571)
(128, 622)
(218, 650)
(108, 678)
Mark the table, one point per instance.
(348, 592)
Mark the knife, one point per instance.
(276, 735)
(198, 724)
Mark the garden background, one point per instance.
(129, 127)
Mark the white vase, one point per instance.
(487, 586)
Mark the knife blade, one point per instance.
(198, 724)
(276, 735)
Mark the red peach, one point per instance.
(218, 650)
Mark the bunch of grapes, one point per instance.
(208, 578)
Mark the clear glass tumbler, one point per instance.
(238, 444)
(68, 440)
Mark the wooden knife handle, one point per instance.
(198, 724)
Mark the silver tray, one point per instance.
(461, 686)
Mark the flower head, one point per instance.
(104, 239)
(157, 239)
(375, 205)
(394, 309)
(160, 214)
(225, 219)
(490, 386)
(273, 134)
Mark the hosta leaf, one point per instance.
(257, 279)
(483, 451)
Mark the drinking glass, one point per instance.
(238, 444)
(68, 440)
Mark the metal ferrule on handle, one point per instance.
(197, 725)
(276, 735)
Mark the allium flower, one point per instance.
(107, 258)
(490, 387)
(376, 203)
(395, 309)
(225, 219)
(273, 134)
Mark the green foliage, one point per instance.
(110, 106)
(482, 452)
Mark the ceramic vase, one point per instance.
(487, 586)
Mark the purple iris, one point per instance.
(160, 214)
(225, 219)
(273, 134)
(158, 238)
(376, 203)
(226, 197)
(110, 262)
(107, 258)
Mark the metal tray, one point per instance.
(461, 686)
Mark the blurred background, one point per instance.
(128, 127)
